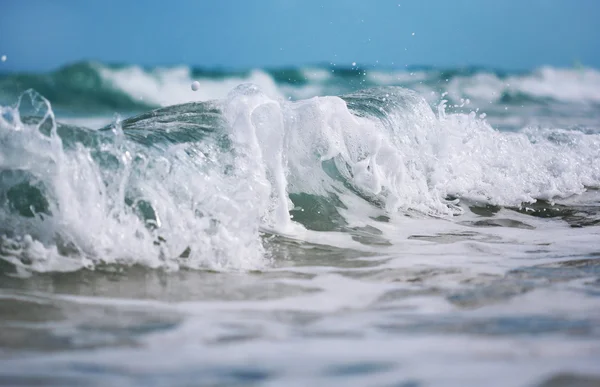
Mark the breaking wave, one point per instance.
(200, 184)
(96, 87)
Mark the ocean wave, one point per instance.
(90, 87)
(197, 184)
(542, 85)
(169, 86)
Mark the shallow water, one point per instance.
(362, 240)
(475, 305)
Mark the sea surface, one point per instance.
(330, 225)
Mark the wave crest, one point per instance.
(195, 185)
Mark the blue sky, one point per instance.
(512, 34)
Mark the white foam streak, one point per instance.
(417, 160)
(170, 86)
(212, 220)
(389, 78)
(573, 86)
(316, 74)
(406, 159)
(560, 84)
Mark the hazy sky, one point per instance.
(511, 34)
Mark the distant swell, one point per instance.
(92, 87)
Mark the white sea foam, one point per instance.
(388, 78)
(565, 85)
(581, 85)
(316, 74)
(439, 300)
(416, 159)
(212, 215)
(170, 86)
(573, 93)
(397, 153)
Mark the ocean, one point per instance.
(327, 225)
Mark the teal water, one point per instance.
(382, 233)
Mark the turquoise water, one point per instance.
(319, 225)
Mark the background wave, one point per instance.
(97, 88)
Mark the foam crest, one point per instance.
(99, 88)
(195, 185)
(84, 198)
(170, 86)
(546, 83)
(391, 148)
(582, 85)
